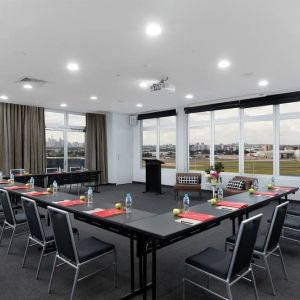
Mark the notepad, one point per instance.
(228, 208)
(187, 221)
(92, 211)
(67, 203)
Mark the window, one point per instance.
(199, 141)
(65, 140)
(289, 146)
(159, 140)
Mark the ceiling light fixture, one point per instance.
(223, 64)
(73, 66)
(27, 86)
(63, 105)
(263, 83)
(3, 97)
(143, 84)
(153, 29)
(189, 96)
(139, 105)
(94, 98)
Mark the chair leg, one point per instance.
(11, 240)
(75, 282)
(228, 291)
(282, 263)
(115, 268)
(269, 275)
(3, 228)
(254, 284)
(52, 273)
(25, 254)
(208, 281)
(183, 288)
(40, 262)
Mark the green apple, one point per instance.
(118, 205)
(269, 186)
(82, 197)
(251, 190)
(27, 184)
(176, 211)
(213, 201)
(49, 189)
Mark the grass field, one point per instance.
(287, 167)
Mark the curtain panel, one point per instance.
(22, 136)
(96, 144)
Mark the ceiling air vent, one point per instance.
(34, 81)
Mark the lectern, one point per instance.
(153, 175)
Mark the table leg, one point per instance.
(144, 270)
(153, 271)
(132, 279)
(233, 225)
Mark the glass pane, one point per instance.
(150, 123)
(259, 147)
(76, 150)
(76, 120)
(199, 148)
(195, 119)
(226, 114)
(289, 149)
(55, 148)
(54, 119)
(149, 139)
(227, 146)
(289, 107)
(167, 138)
(259, 111)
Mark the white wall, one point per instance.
(169, 175)
(119, 148)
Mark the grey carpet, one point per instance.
(17, 283)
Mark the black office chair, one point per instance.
(267, 244)
(227, 267)
(76, 255)
(39, 235)
(12, 221)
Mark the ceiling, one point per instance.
(107, 38)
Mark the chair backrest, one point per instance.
(51, 170)
(277, 221)
(63, 234)
(33, 219)
(188, 178)
(17, 171)
(244, 246)
(7, 208)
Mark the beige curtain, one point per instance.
(22, 136)
(96, 144)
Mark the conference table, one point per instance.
(62, 178)
(148, 232)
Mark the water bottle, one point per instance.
(186, 203)
(255, 185)
(55, 187)
(31, 182)
(1, 175)
(220, 193)
(59, 169)
(128, 203)
(273, 181)
(90, 196)
(12, 178)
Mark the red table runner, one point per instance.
(16, 187)
(232, 204)
(4, 182)
(108, 212)
(282, 188)
(266, 194)
(196, 216)
(67, 203)
(34, 193)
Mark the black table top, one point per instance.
(162, 226)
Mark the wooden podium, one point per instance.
(153, 175)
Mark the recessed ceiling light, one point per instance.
(94, 98)
(63, 105)
(189, 96)
(153, 29)
(263, 82)
(3, 97)
(139, 105)
(27, 86)
(223, 64)
(143, 84)
(73, 66)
